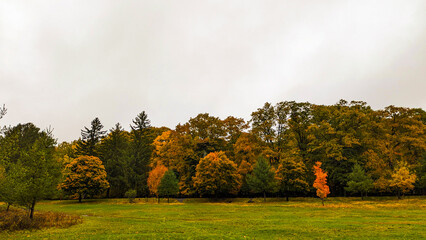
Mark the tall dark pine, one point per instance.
(141, 153)
(90, 137)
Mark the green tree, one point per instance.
(359, 181)
(85, 175)
(216, 175)
(169, 185)
(141, 150)
(114, 152)
(90, 138)
(31, 172)
(262, 179)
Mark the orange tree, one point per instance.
(85, 175)
(216, 175)
(321, 182)
(154, 179)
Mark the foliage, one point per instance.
(321, 182)
(114, 152)
(154, 178)
(140, 153)
(359, 181)
(402, 179)
(168, 185)
(85, 175)
(291, 176)
(131, 195)
(262, 179)
(216, 175)
(90, 138)
(30, 172)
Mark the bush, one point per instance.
(131, 195)
(17, 219)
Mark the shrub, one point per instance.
(18, 219)
(131, 195)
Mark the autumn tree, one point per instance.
(30, 172)
(90, 138)
(402, 180)
(176, 151)
(321, 182)
(85, 175)
(262, 179)
(115, 155)
(291, 176)
(216, 175)
(168, 185)
(359, 181)
(154, 179)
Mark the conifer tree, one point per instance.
(169, 185)
(359, 181)
(262, 179)
(90, 138)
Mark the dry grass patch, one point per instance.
(18, 219)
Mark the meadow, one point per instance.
(300, 218)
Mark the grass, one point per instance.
(301, 218)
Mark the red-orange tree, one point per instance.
(85, 175)
(321, 182)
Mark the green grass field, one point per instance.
(301, 218)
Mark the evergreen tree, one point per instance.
(359, 181)
(114, 152)
(90, 138)
(141, 150)
(169, 185)
(262, 179)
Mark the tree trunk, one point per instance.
(362, 196)
(322, 200)
(108, 191)
(168, 199)
(8, 205)
(398, 194)
(264, 196)
(286, 198)
(158, 199)
(79, 197)
(32, 208)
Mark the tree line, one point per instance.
(360, 150)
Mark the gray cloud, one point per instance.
(62, 63)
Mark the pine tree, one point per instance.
(90, 138)
(262, 179)
(141, 150)
(359, 181)
(169, 185)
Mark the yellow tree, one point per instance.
(85, 175)
(402, 180)
(154, 179)
(321, 182)
(217, 175)
(176, 151)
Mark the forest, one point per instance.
(280, 151)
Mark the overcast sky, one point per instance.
(63, 63)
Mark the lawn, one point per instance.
(300, 218)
